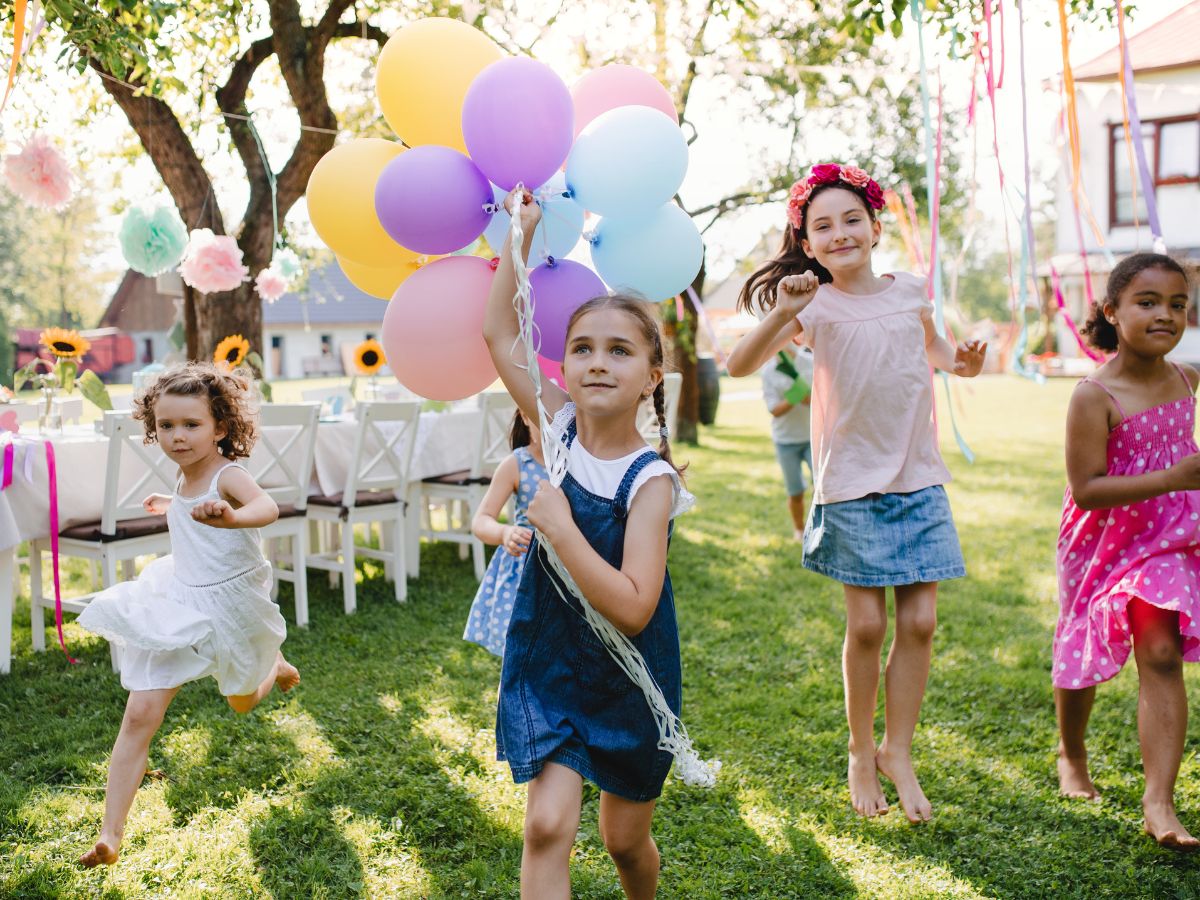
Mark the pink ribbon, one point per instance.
(10, 452)
(702, 315)
(52, 477)
(935, 198)
(1062, 308)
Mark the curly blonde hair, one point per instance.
(230, 399)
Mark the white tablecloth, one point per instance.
(445, 443)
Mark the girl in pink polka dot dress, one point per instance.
(1129, 542)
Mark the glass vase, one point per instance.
(50, 419)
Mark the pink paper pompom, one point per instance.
(212, 262)
(271, 284)
(39, 174)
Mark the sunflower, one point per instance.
(231, 351)
(65, 343)
(368, 357)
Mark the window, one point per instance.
(276, 341)
(327, 345)
(1172, 153)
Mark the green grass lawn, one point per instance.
(376, 776)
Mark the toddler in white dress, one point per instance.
(206, 609)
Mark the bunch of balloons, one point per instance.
(475, 124)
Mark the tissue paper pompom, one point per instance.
(271, 285)
(212, 262)
(286, 263)
(39, 174)
(152, 241)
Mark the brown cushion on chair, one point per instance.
(460, 479)
(142, 526)
(363, 498)
(289, 511)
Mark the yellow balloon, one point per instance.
(341, 201)
(423, 74)
(382, 281)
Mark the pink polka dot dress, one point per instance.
(1149, 550)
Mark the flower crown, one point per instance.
(830, 173)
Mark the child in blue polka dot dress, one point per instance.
(518, 474)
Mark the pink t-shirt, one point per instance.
(872, 396)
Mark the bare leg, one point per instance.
(907, 674)
(796, 508)
(551, 823)
(866, 626)
(1162, 718)
(284, 676)
(144, 713)
(1074, 708)
(625, 828)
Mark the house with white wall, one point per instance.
(1165, 57)
(309, 332)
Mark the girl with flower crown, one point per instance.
(880, 517)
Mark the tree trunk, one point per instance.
(687, 424)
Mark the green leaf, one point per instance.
(66, 371)
(94, 390)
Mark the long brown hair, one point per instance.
(638, 308)
(759, 291)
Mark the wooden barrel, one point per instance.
(708, 384)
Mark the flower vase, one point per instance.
(50, 420)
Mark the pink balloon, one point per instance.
(616, 85)
(553, 371)
(433, 329)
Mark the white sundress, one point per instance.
(204, 610)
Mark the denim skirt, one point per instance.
(885, 539)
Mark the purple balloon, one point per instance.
(518, 122)
(431, 199)
(560, 288)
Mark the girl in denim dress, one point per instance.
(880, 517)
(567, 711)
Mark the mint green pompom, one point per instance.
(152, 241)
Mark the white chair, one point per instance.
(648, 419)
(282, 464)
(338, 400)
(376, 484)
(392, 390)
(463, 489)
(123, 531)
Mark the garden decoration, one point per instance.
(39, 174)
(212, 263)
(153, 240)
(390, 211)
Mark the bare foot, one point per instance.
(103, 854)
(866, 796)
(287, 676)
(1074, 780)
(1164, 826)
(898, 768)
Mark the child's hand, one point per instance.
(516, 539)
(968, 358)
(795, 292)
(1185, 474)
(216, 513)
(531, 213)
(550, 511)
(156, 504)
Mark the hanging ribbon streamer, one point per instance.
(6, 480)
(18, 47)
(1077, 191)
(931, 181)
(673, 736)
(1133, 123)
(992, 84)
(910, 206)
(1062, 308)
(706, 323)
(1028, 246)
(896, 207)
(271, 181)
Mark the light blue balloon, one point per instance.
(656, 256)
(627, 162)
(557, 233)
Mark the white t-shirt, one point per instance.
(793, 426)
(603, 477)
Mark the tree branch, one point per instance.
(169, 148)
